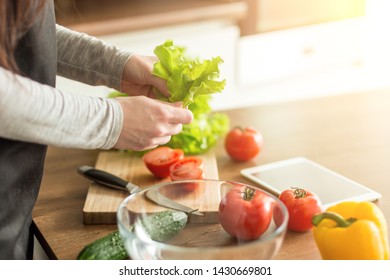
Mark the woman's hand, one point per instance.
(148, 123)
(138, 79)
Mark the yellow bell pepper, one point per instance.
(351, 231)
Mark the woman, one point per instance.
(33, 114)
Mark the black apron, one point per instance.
(21, 163)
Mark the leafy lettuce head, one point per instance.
(186, 78)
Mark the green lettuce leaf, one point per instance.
(200, 135)
(192, 82)
(186, 78)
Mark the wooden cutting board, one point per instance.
(101, 203)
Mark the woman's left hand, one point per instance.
(138, 79)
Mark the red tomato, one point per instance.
(301, 205)
(188, 168)
(243, 144)
(160, 159)
(245, 213)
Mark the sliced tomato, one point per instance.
(188, 168)
(160, 159)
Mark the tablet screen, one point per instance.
(300, 172)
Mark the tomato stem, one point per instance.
(249, 193)
(299, 193)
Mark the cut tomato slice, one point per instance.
(160, 159)
(188, 168)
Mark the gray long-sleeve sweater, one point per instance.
(30, 111)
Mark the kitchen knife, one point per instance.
(107, 179)
(110, 180)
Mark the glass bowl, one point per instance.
(150, 229)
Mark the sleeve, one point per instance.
(32, 112)
(88, 59)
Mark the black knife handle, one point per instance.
(102, 177)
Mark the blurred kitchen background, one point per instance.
(273, 50)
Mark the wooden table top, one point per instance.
(349, 134)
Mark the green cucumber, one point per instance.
(109, 247)
(160, 227)
(164, 225)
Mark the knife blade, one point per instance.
(110, 180)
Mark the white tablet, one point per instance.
(330, 186)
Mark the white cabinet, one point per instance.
(278, 55)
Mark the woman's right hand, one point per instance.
(148, 123)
